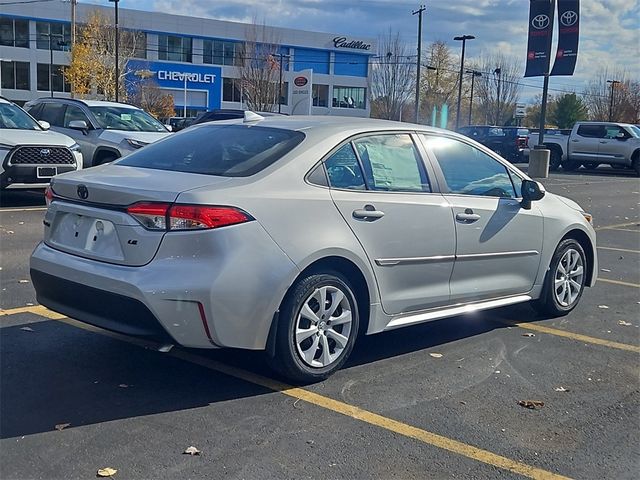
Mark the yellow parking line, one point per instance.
(619, 282)
(575, 336)
(357, 413)
(609, 227)
(615, 249)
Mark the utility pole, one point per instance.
(463, 39)
(419, 13)
(73, 22)
(474, 74)
(281, 55)
(613, 84)
(498, 72)
(117, 51)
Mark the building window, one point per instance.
(15, 75)
(58, 80)
(217, 52)
(231, 90)
(320, 95)
(14, 32)
(349, 97)
(174, 48)
(59, 34)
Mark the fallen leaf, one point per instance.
(123, 385)
(62, 426)
(622, 322)
(191, 451)
(310, 442)
(561, 389)
(531, 404)
(603, 307)
(10, 232)
(23, 281)
(528, 334)
(20, 223)
(497, 371)
(436, 355)
(27, 329)
(107, 472)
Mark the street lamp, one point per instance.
(613, 84)
(474, 74)
(117, 50)
(498, 72)
(463, 39)
(61, 43)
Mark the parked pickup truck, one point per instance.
(593, 143)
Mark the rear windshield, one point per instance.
(223, 150)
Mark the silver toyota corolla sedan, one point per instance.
(295, 235)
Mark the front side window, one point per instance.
(392, 163)
(344, 170)
(15, 118)
(469, 171)
(614, 131)
(128, 119)
(222, 150)
(74, 113)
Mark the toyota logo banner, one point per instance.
(540, 30)
(568, 37)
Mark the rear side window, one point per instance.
(591, 131)
(53, 113)
(223, 150)
(344, 170)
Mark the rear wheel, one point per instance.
(635, 164)
(555, 159)
(565, 280)
(318, 325)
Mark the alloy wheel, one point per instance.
(569, 278)
(323, 326)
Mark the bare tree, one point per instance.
(92, 68)
(151, 98)
(505, 71)
(260, 69)
(392, 78)
(625, 103)
(440, 82)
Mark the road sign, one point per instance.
(521, 110)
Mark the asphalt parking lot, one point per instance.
(439, 400)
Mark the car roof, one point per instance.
(88, 103)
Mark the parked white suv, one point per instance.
(31, 154)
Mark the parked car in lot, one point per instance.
(296, 234)
(31, 154)
(594, 143)
(104, 130)
(508, 142)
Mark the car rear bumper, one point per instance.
(203, 289)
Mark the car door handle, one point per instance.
(369, 212)
(603, 141)
(575, 141)
(468, 217)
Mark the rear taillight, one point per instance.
(48, 195)
(164, 216)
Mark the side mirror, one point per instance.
(45, 125)
(169, 127)
(531, 191)
(79, 125)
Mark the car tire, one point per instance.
(570, 165)
(555, 159)
(565, 280)
(305, 329)
(635, 164)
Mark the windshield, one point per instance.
(14, 118)
(215, 149)
(635, 131)
(129, 119)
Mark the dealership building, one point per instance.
(196, 60)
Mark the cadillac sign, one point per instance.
(343, 42)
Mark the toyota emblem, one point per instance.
(540, 22)
(83, 192)
(568, 18)
(45, 152)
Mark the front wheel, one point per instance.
(570, 165)
(318, 326)
(555, 159)
(636, 164)
(565, 280)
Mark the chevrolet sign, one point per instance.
(191, 77)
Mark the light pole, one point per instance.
(184, 106)
(474, 74)
(613, 84)
(463, 39)
(60, 43)
(117, 69)
(419, 13)
(498, 73)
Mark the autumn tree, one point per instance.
(392, 78)
(151, 98)
(92, 68)
(260, 69)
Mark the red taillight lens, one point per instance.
(193, 217)
(48, 195)
(163, 216)
(151, 215)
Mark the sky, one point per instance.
(609, 29)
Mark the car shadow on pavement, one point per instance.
(56, 374)
(22, 198)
